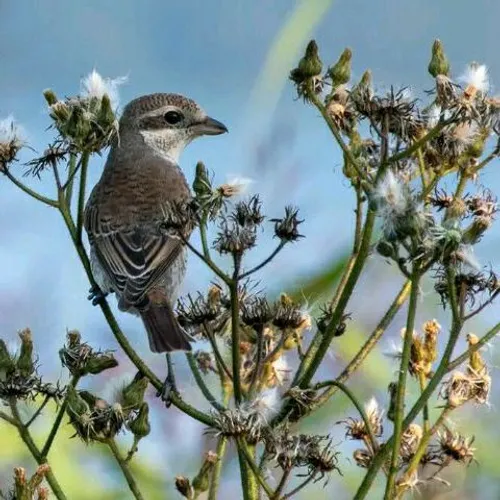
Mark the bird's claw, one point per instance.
(167, 390)
(96, 295)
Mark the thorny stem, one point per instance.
(124, 466)
(30, 192)
(201, 383)
(441, 371)
(25, 435)
(401, 388)
(59, 417)
(357, 405)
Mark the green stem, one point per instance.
(357, 405)
(235, 341)
(217, 472)
(492, 333)
(422, 379)
(124, 466)
(25, 435)
(329, 334)
(59, 417)
(264, 262)
(250, 489)
(30, 192)
(421, 142)
(81, 195)
(72, 168)
(401, 389)
(433, 383)
(201, 383)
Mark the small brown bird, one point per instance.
(130, 255)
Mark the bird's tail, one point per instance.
(164, 332)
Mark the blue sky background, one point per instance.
(213, 52)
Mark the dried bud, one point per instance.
(25, 362)
(60, 111)
(100, 362)
(50, 96)
(309, 66)
(363, 458)
(248, 213)
(106, 116)
(201, 184)
(340, 72)
(410, 441)
(439, 64)
(256, 311)
(140, 426)
(80, 358)
(7, 364)
(132, 395)
(201, 481)
(476, 362)
(288, 313)
(456, 447)
(286, 229)
(38, 476)
(184, 487)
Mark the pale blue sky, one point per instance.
(211, 51)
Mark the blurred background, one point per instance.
(233, 57)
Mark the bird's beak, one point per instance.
(210, 126)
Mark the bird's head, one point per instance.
(167, 122)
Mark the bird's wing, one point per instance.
(133, 259)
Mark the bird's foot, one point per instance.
(96, 295)
(167, 390)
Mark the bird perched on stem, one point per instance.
(130, 254)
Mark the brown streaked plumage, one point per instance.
(130, 255)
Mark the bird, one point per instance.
(130, 255)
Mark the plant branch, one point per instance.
(201, 383)
(30, 192)
(25, 435)
(81, 195)
(59, 417)
(124, 466)
(401, 388)
(264, 262)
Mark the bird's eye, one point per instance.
(172, 117)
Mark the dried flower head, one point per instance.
(235, 239)
(455, 447)
(10, 141)
(287, 228)
(81, 359)
(410, 441)
(363, 458)
(356, 428)
(94, 86)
